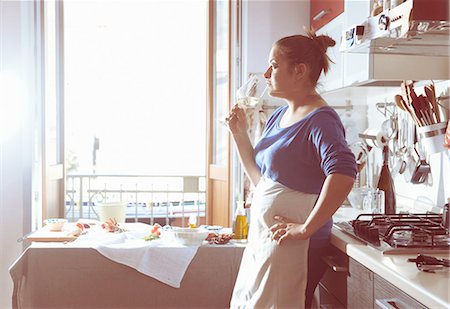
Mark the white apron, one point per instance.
(270, 275)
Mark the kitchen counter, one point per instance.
(431, 289)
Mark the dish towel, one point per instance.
(159, 259)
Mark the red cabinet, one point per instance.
(323, 11)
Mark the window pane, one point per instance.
(135, 86)
(51, 108)
(221, 83)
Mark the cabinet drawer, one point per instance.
(327, 300)
(334, 281)
(359, 286)
(389, 296)
(323, 11)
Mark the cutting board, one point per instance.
(45, 235)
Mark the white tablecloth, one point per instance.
(75, 275)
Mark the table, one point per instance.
(57, 275)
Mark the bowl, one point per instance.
(189, 236)
(112, 210)
(55, 224)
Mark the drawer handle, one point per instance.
(390, 303)
(332, 264)
(321, 14)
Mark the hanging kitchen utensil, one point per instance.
(401, 147)
(422, 170)
(410, 162)
(411, 157)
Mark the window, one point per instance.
(135, 77)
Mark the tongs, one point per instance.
(430, 264)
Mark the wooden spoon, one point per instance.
(415, 103)
(424, 109)
(404, 106)
(431, 94)
(433, 91)
(399, 101)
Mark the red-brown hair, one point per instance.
(309, 49)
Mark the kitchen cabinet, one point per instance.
(323, 11)
(377, 68)
(387, 295)
(333, 286)
(386, 67)
(349, 284)
(359, 286)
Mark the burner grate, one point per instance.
(403, 230)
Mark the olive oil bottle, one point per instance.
(240, 224)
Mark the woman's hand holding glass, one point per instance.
(284, 230)
(237, 121)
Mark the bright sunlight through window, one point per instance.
(135, 80)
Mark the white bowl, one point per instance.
(112, 210)
(189, 237)
(55, 224)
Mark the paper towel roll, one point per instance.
(375, 138)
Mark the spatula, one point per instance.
(422, 170)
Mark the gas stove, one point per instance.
(400, 233)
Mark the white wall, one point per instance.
(15, 137)
(266, 22)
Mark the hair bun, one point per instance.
(323, 41)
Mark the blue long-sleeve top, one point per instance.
(303, 154)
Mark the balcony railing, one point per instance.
(162, 199)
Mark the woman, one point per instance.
(302, 170)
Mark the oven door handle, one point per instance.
(333, 265)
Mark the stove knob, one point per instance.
(374, 236)
(360, 228)
(364, 229)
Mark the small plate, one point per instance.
(213, 228)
